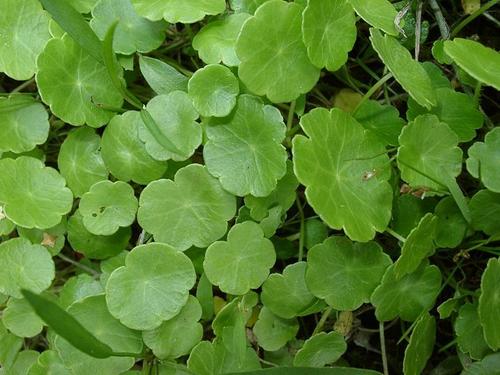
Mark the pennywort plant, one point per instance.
(249, 186)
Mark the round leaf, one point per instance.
(470, 338)
(216, 41)
(345, 170)
(24, 124)
(489, 303)
(213, 90)
(273, 332)
(170, 210)
(72, 82)
(427, 147)
(80, 161)
(287, 295)
(407, 297)
(484, 159)
(320, 350)
(244, 150)
(279, 68)
(184, 11)
(24, 266)
(329, 30)
(94, 246)
(125, 155)
(152, 287)
(421, 345)
(107, 207)
(20, 319)
(485, 211)
(24, 30)
(93, 314)
(175, 117)
(242, 262)
(133, 33)
(344, 273)
(33, 196)
(177, 336)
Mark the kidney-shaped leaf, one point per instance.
(244, 150)
(24, 266)
(484, 160)
(470, 337)
(345, 170)
(489, 303)
(273, 332)
(407, 297)
(33, 195)
(107, 207)
(408, 72)
(274, 59)
(152, 287)
(171, 209)
(185, 11)
(242, 262)
(344, 273)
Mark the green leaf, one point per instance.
(451, 226)
(184, 11)
(485, 66)
(382, 120)
(408, 72)
(418, 246)
(80, 160)
(456, 109)
(421, 345)
(107, 207)
(380, 14)
(287, 295)
(77, 288)
(133, 33)
(92, 314)
(24, 30)
(213, 90)
(407, 297)
(470, 337)
(178, 134)
(75, 85)
(194, 199)
(48, 362)
(484, 158)
(320, 350)
(67, 326)
(242, 262)
(344, 273)
(216, 41)
(246, 6)
(33, 195)
(489, 303)
(123, 153)
(152, 287)
(83, 6)
(177, 336)
(485, 210)
(489, 365)
(280, 67)
(23, 362)
(20, 318)
(345, 170)
(329, 32)
(23, 127)
(426, 147)
(162, 77)
(244, 150)
(283, 196)
(75, 25)
(273, 332)
(315, 232)
(310, 371)
(9, 347)
(94, 246)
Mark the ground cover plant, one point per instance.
(249, 186)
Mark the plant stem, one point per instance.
(443, 26)
(23, 86)
(373, 90)
(395, 235)
(79, 265)
(322, 321)
(302, 228)
(382, 348)
(472, 17)
(289, 122)
(418, 29)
